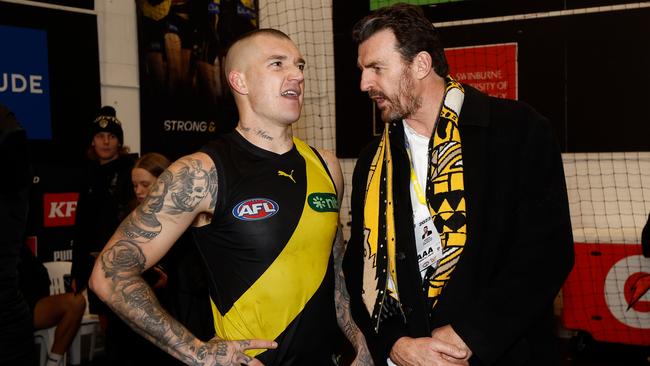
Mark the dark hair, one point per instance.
(153, 162)
(413, 31)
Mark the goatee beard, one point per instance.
(396, 110)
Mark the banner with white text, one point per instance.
(491, 69)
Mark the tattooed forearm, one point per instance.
(123, 259)
(134, 301)
(342, 302)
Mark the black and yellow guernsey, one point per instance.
(268, 250)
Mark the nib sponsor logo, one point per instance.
(255, 209)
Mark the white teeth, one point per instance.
(289, 93)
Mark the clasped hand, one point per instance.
(443, 348)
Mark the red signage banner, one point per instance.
(607, 293)
(59, 209)
(491, 69)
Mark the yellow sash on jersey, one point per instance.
(282, 291)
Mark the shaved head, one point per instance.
(240, 51)
(264, 70)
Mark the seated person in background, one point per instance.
(64, 311)
(185, 295)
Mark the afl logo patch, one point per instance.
(255, 209)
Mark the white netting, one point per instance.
(609, 195)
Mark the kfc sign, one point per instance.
(59, 209)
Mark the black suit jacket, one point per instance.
(519, 246)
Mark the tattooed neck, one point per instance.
(263, 134)
(257, 131)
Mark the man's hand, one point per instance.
(448, 335)
(219, 352)
(426, 351)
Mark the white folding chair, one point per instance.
(89, 327)
(89, 324)
(44, 338)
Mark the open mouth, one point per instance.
(290, 93)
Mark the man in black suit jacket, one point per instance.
(487, 174)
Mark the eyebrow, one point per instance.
(283, 58)
(276, 57)
(368, 65)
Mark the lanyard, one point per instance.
(414, 180)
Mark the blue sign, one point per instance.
(24, 79)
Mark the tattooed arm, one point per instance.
(343, 314)
(341, 295)
(182, 194)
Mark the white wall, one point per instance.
(118, 64)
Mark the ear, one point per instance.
(237, 82)
(422, 65)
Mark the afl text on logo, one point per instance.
(255, 209)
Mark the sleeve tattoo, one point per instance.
(342, 302)
(123, 262)
(185, 190)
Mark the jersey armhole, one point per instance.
(327, 170)
(213, 153)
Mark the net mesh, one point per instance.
(609, 195)
(309, 24)
(607, 294)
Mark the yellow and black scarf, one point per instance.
(446, 201)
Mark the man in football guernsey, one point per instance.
(263, 207)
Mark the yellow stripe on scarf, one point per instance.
(446, 178)
(379, 190)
